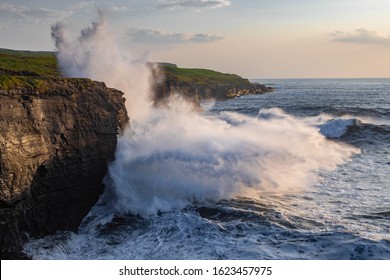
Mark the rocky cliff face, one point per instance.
(198, 91)
(212, 91)
(55, 143)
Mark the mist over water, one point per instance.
(171, 157)
(271, 176)
(177, 157)
(95, 54)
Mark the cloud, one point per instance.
(82, 5)
(192, 4)
(145, 35)
(10, 13)
(362, 36)
(120, 9)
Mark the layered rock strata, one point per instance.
(55, 144)
(165, 84)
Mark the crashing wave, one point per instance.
(336, 128)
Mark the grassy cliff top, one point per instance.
(30, 69)
(28, 63)
(37, 71)
(200, 76)
(26, 69)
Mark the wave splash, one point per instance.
(170, 157)
(178, 156)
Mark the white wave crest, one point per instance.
(337, 127)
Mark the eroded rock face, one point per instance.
(165, 86)
(212, 91)
(54, 148)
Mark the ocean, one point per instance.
(301, 173)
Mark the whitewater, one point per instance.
(299, 174)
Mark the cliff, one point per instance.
(201, 84)
(56, 137)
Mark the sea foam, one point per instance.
(170, 157)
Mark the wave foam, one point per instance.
(173, 156)
(177, 156)
(336, 128)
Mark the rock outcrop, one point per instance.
(201, 87)
(213, 91)
(55, 143)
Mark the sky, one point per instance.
(253, 38)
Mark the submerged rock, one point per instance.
(55, 143)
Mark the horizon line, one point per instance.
(320, 78)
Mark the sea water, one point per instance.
(301, 173)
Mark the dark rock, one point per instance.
(54, 150)
(168, 84)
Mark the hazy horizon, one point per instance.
(255, 39)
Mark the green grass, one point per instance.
(29, 69)
(28, 62)
(8, 82)
(202, 76)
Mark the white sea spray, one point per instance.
(170, 157)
